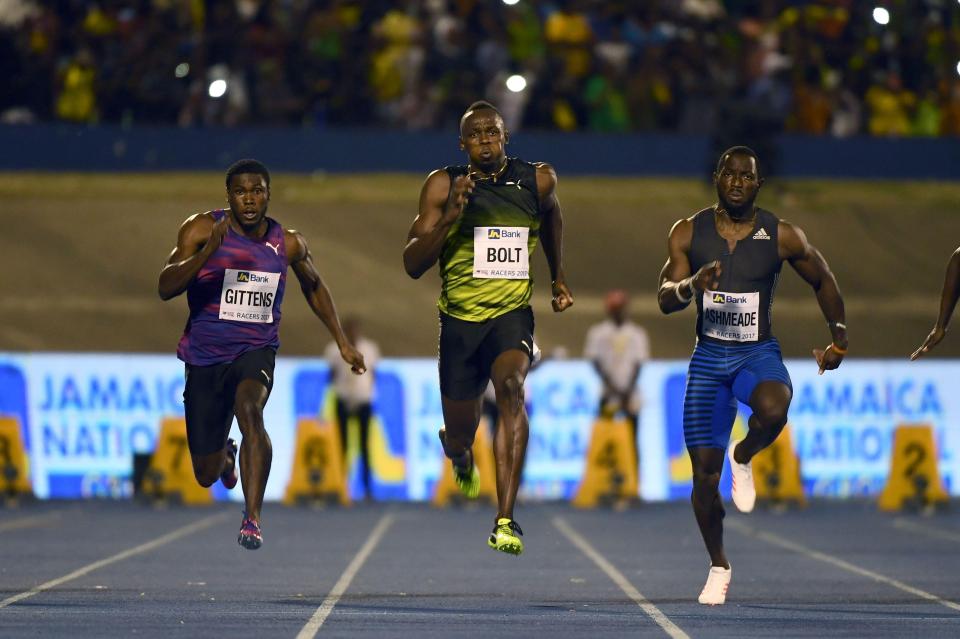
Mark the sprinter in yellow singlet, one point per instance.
(482, 222)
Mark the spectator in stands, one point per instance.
(77, 98)
(347, 62)
(950, 121)
(397, 60)
(605, 100)
(812, 105)
(570, 38)
(890, 106)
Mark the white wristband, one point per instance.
(676, 291)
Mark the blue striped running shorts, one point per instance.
(718, 376)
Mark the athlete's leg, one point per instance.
(343, 417)
(510, 442)
(463, 380)
(769, 402)
(208, 468)
(633, 419)
(762, 382)
(460, 419)
(256, 451)
(709, 410)
(707, 505)
(209, 415)
(363, 417)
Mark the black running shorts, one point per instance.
(210, 392)
(468, 349)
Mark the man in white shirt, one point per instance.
(618, 348)
(354, 393)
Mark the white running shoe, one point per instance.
(744, 492)
(715, 590)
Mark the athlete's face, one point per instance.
(484, 138)
(737, 182)
(248, 195)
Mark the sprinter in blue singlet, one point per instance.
(727, 259)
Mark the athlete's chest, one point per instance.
(265, 254)
(507, 202)
(750, 255)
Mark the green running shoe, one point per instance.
(468, 480)
(506, 537)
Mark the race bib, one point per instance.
(248, 296)
(731, 316)
(500, 252)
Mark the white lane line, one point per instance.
(618, 578)
(316, 621)
(782, 542)
(30, 522)
(905, 524)
(126, 554)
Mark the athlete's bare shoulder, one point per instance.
(205, 219)
(791, 240)
(783, 226)
(437, 178)
(437, 186)
(295, 245)
(196, 228)
(546, 178)
(682, 229)
(680, 236)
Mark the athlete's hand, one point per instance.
(934, 338)
(216, 236)
(708, 277)
(353, 357)
(459, 194)
(562, 297)
(828, 358)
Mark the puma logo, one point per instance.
(276, 249)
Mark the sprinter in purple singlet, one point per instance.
(233, 265)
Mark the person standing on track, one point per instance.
(482, 221)
(354, 397)
(233, 265)
(948, 302)
(618, 349)
(728, 258)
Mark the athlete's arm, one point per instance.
(809, 263)
(318, 296)
(199, 237)
(440, 206)
(551, 235)
(948, 301)
(677, 285)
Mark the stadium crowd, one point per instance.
(820, 67)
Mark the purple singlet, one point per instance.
(235, 299)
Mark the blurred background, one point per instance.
(118, 119)
(833, 67)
